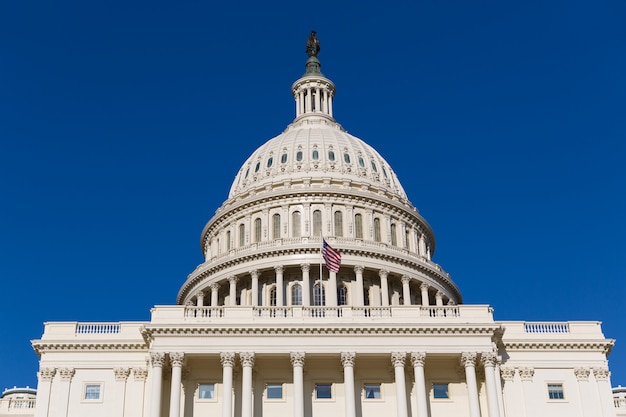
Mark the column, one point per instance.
(526, 376)
(406, 290)
(439, 299)
(232, 294)
(317, 99)
(121, 376)
(139, 375)
(397, 359)
(347, 360)
(422, 246)
(228, 361)
(297, 361)
(331, 291)
(306, 284)
(418, 360)
(44, 387)
(489, 362)
(586, 396)
(358, 295)
(65, 383)
(325, 109)
(514, 393)
(279, 285)
(330, 105)
(309, 99)
(255, 287)
(176, 359)
(604, 391)
(156, 360)
(468, 359)
(247, 362)
(498, 380)
(384, 287)
(424, 290)
(200, 299)
(214, 289)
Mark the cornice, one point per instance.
(41, 347)
(604, 346)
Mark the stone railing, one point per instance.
(546, 327)
(17, 406)
(97, 328)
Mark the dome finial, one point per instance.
(313, 66)
(313, 45)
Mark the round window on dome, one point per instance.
(331, 155)
(316, 155)
(257, 167)
(374, 167)
(299, 156)
(283, 158)
(346, 157)
(270, 161)
(361, 162)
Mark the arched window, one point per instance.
(319, 295)
(407, 238)
(276, 226)
(331, 155)
(346, 157)
(358, 226)
(374, 167)
(342, 295)
(256, 168)
(270, 161)
(296, 295)
(299, 156)
(317, 223)
(394, 238)
(296, 224)
(361, 162)
(273, 296)
(257, 230)
(228, 240)
(242, 234)
(377, 229)
(338, 223)
(283, 158)
(316, 155)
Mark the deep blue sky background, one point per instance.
(123, 124)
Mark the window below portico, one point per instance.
(323, 391)
(441, 391)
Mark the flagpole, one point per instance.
(321, 280)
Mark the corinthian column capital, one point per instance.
(398, 358)
(297, 358)
(468, 359)
(348, 358)
(247, 358)
(418, 358)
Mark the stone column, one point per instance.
(586, 396)
(157, 359)
(526, 375)
(384, 287)
(255, 287)
(214, 295)
(44, 386)
(330, 105)
(514, 396)
(200, 299)
(306, 284)
(397, 359)
(317, 99)
(247, 362)
(297, 361)
(331, 292)
(468, 359)
(279, 285)
(347, 360)
(140, 375)
(489, 362)
(406, 290)
(422, 246)
(604, 391)
(439, 299)
(325, 108)
(358, 299)
(176, 359)
(498, 381)
(228, 361)
(121, 375)
(64, 385)
(424, 289)
(418, 359)
(232, 294)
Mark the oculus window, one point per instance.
(555, 391)
(274, 391)
(206, 391)
(440, 391)
(372, 391)
(323, 391)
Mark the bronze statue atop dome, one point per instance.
(312, 45)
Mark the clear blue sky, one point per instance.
(123, 124)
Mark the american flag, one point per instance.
(331, 257)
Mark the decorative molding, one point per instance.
(526, 374)
(418, 359)
(489, 359)
(297, 359)
(305, 267)
(247, 358)
(604, 346)
(405, 279)
(47, 374)
(177, 359)
(41, 348)
(582, 374)
(348, 359)
(121, 374)
(507, 373)
(255, 273)
(140, 374)
(227, 359)
(468, 359)
(358, 269)
(214, 286)
(279, 269)
(157, 359)
(66, 374)
(398, 359)
(601, 374)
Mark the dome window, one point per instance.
(270, 161)
(361, 162)
(316, 155)
(385, 172)
(299, 156)
(346, 157)
(331, 155)
(257, 167)
(283, 158)
(247, 172)
(374, 167)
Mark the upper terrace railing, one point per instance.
(546, 327)
(17, 406)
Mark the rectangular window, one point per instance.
(440, 391)
(555, 392)
(323, 391)
(206, 391)
(372, 391)
(92, 391)
(274, 391)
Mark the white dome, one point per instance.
(316, 148)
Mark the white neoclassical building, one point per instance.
(262, 328)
